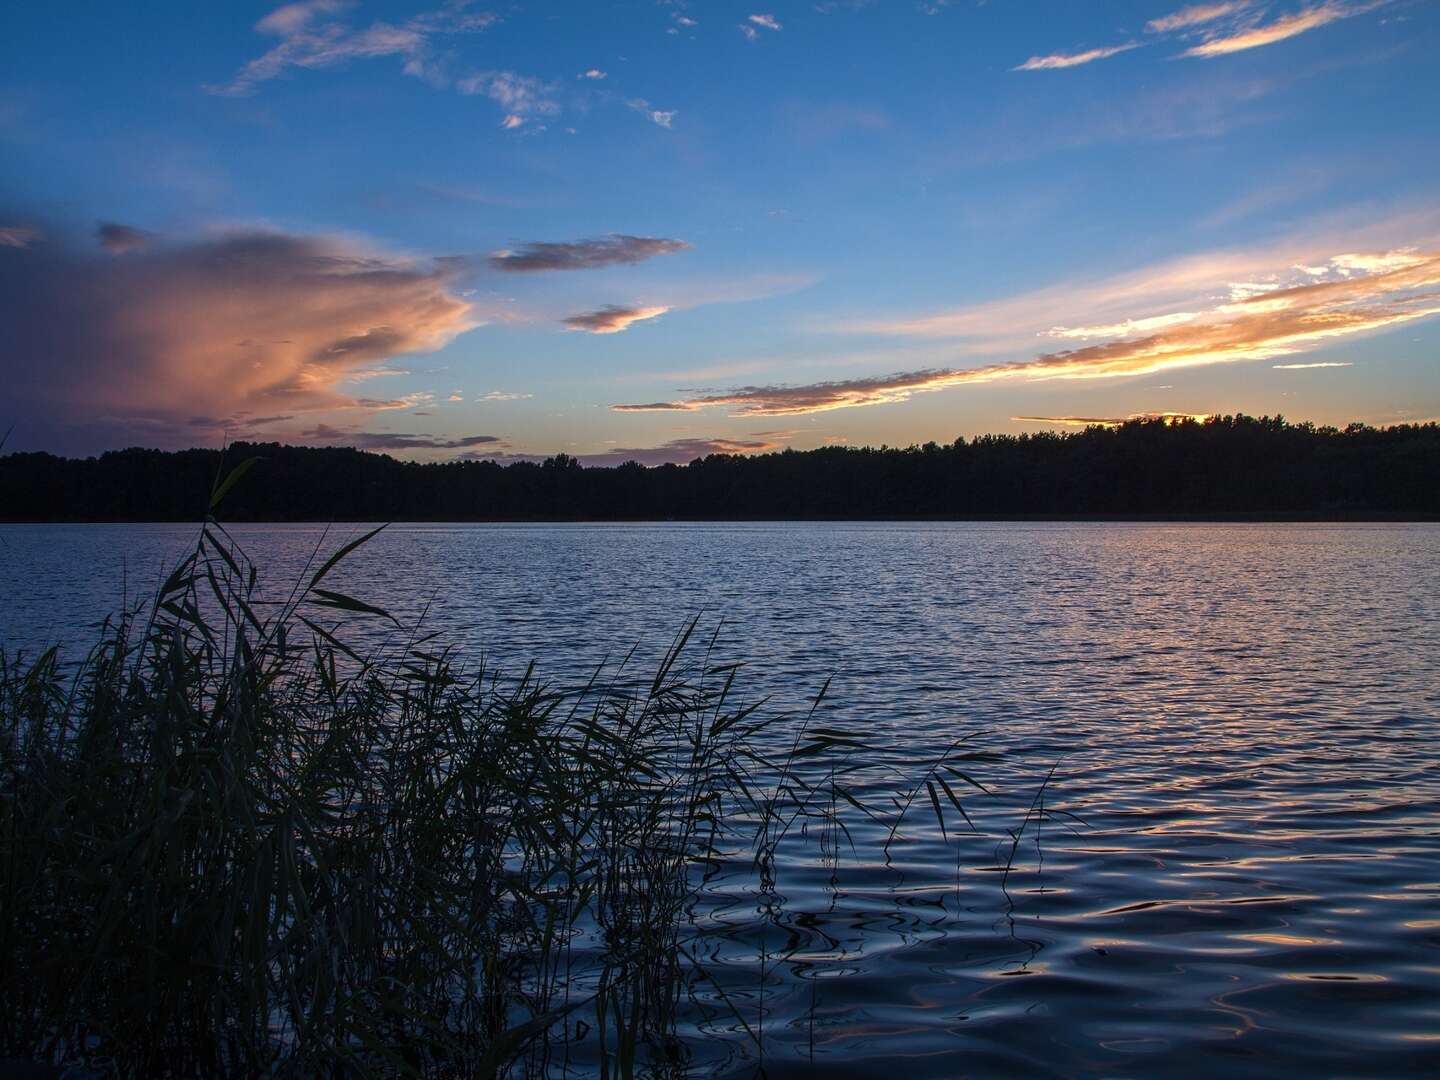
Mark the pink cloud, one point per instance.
(1358, 292)
(243, 324)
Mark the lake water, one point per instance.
(1246, 718)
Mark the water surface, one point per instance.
(1246, 718)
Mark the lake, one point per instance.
(1244, 721)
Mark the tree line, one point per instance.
(1230, 465)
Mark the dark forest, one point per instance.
(1226, 466)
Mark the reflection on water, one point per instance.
(1242, 721)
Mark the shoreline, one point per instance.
(1359, 518)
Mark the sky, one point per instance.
(653, 230)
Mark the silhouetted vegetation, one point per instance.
(231, 845)
(1226, 465)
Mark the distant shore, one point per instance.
(1036, 519)
(1229, 468)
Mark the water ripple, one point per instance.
(1244, 719)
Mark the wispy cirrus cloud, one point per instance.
(1344, 295)
(617, 249)
(1307, 367)
(1194, 283)
(18, 236)
(1197, 15)
(1128, 328)
(312, 34)
(521, 97)
(317, 35)
(244, 324)
(664, 118)
(1059, 61)
(657, 406)
(753, 24)
(612, 318)
(1239, 39)
(1218, 29)
(616, 317)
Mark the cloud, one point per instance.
(500, 395)
(1224, 28)
(593, 73)
(121, 239)
(231, 326)
(366, 440)
(617, 249)
(521, 96)
(405, 401)
(1196, 15)
(675, 452)
(680, 451)
(1112, 421)
(1057, 61)
(658, 406)
(1306, 367)
(18, 236)
(293, 18)
(1280, 320)
(749, 31)
(1128, 328)
(1191, 284)
(612, 318)
(768, 22)
(311, 38)
(664, 118)
(1287, 26)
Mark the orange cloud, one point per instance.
(1239, 28)
(1287, 26)
(612, 318)
(1058, 61)
(1112, 421)
(219, 330)
(1359, 292)
(1196, 15)
(658, 406)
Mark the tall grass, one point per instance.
(230, 843)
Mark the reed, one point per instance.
(231, 843)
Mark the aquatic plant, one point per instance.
(231, 843)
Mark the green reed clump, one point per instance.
(230, 843)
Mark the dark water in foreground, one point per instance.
(1246, 717)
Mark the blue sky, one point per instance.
(768, 225)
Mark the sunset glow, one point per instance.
(463, 229)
